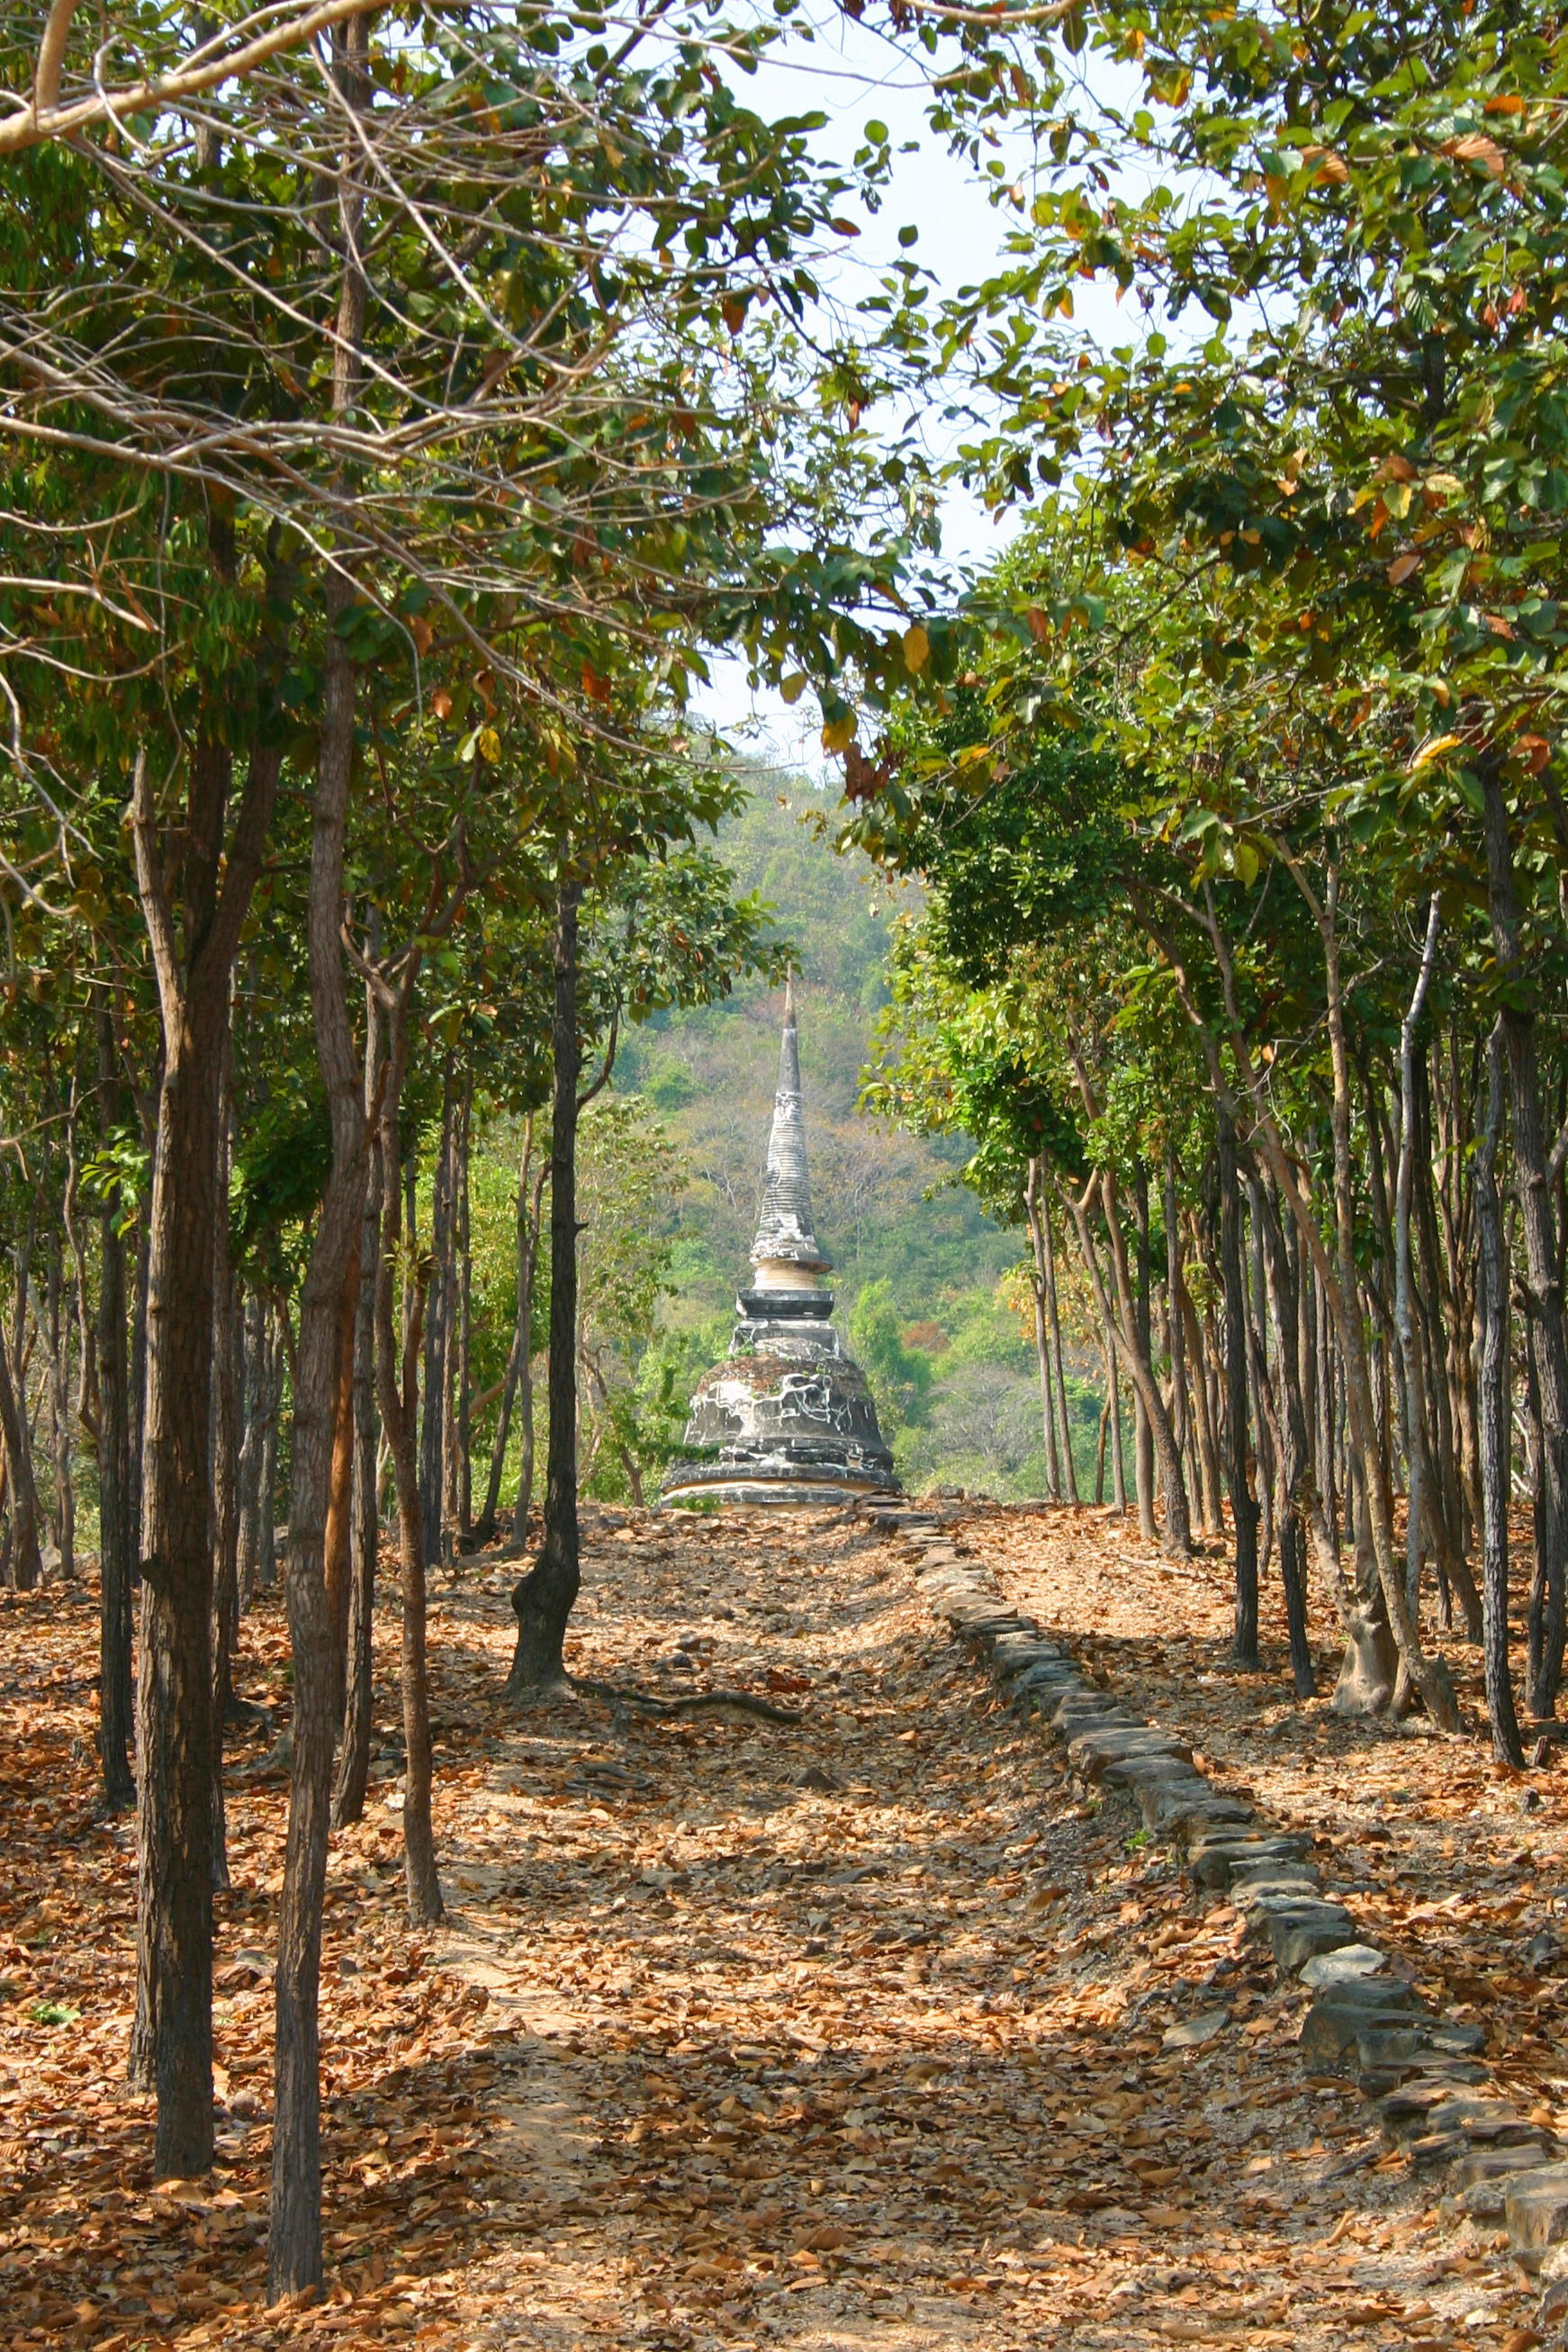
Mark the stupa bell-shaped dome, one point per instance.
(787, 1417)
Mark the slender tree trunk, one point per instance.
(462, 1381)
(1404, 1285)
(545, 1598)
(27, 1555)
(438, 1325)
(518, 1380)
(273, 1366)
(1492, 1299)
(1032, 1210)
(225, 1493)
(353, 1763)
(115, 1555)
(254, 1390)
(1542, 1272)
(1243, 1509)
(1208, 1479)
(60, 1416)
(1261, 1398)
(1290, 1432)
(139, 1389)
(321, 1395)
(1122, 1325)
(1173, 1311)
(397, 1387)
(1053, 1317)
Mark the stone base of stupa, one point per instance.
(792, 1487)
(786, 1418)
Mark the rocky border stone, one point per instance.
(1434, 2095)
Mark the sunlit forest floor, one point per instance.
(848, 2032)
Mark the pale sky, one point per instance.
(853, 74)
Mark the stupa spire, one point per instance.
(786, 1245)
(787, 1417)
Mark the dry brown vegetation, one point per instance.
(841, 2034)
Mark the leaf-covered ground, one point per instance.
(846, 2033)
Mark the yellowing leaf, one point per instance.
(839, 733)
(1246, 860)
(441, 703)
(1433, 751)
(1332, 173)
(917, 649)
(1507, 103)
(489, 745)
(1400, 569)
(793, 687)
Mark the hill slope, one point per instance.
(918, 1265)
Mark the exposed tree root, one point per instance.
(693, 1702)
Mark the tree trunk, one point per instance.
(1243, 1509)
(1032, 1210)
(254, 1389)
(225, 1493)
(1492, 1300)
(353, 1763)
(60, 1416)
(397, 1387)
(1290, 1432)
(1053, 1317)
(1141, 1330)
(545, 1598)
(438, 1325)
(173, 2035)
(321, 1395)
(1542, 1270)
(1208, 1479)
(275, 1365)
(26, 1556)
(462, 1501)
(1122, 1325)
(1173, 1311)
(115, 1555)
(519, 1378)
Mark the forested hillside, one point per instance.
(919, 1266)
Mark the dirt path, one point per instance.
(846, 2033)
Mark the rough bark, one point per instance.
(1291, 1433)
(544, 1599)
(322, 1396)
(173, 2034)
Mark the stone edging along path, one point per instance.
(1433, 2093)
